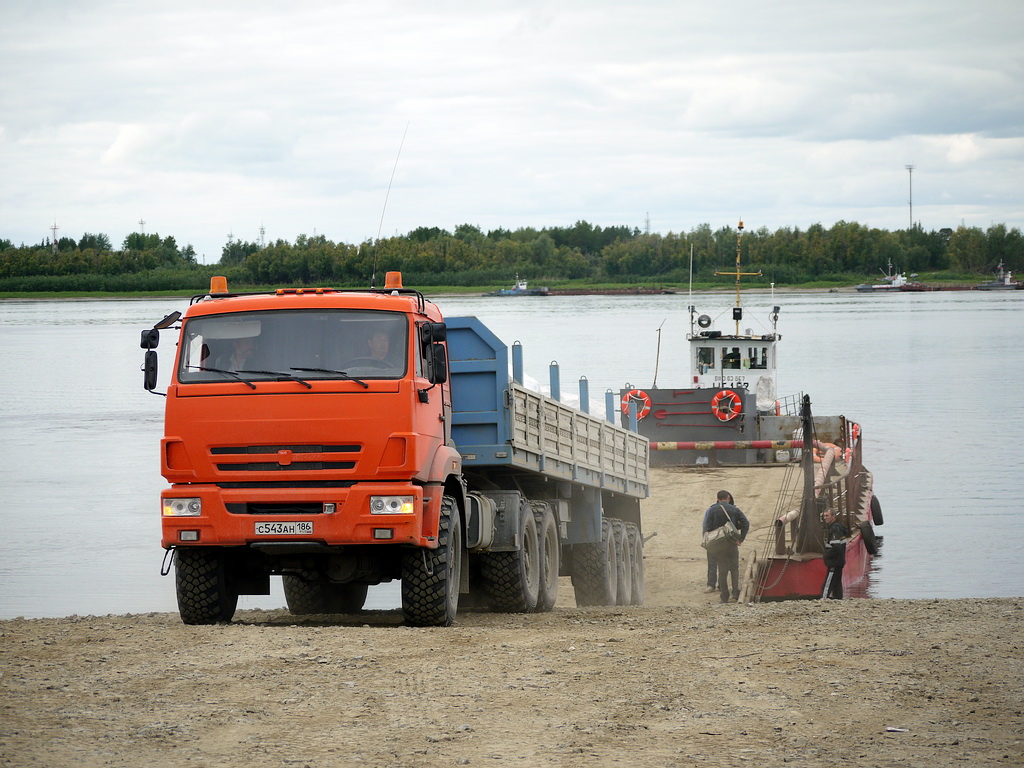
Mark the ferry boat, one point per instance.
(1004, 281)
(730, 413)
(520, 288)
(891, 282)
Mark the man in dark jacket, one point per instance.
(836, 535)
(729, 558)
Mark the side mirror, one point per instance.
(438, 364)
(149, 342)
(168, 321)
(431, 332)
(149, 370)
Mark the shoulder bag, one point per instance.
(718, 539)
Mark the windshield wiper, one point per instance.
(289, 376)
(339, 373)
(222, 370)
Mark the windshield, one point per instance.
(294, 344)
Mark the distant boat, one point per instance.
(891, 282)
(1004, 281)
(520, 289)
(918, 287)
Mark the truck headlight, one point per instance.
(183, 507)
(391, 505)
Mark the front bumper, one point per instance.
(239, 516)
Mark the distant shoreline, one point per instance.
(474, 294)
(563, 293)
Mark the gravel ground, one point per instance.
(679, 681)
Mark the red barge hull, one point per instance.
(789, 579)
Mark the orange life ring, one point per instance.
(726, 405)
(643, 402)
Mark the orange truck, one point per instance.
(346, 438)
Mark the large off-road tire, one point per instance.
(430, 577)
(550, 553)
(203, 586)
(512, 579)
(594, 570)
(636, 543)
(305, 596)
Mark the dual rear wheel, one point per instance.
(526, 580)
(611, 571)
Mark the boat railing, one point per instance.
(789, 405)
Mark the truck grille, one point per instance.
(262, 508)
(297, 466)
(280, 458)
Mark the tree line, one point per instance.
(846, 252)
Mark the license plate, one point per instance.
(285, 528)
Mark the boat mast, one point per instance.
(737, 313)
(808, 534)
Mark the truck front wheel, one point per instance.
(202, 584)
(430, 577)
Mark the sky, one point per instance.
(216, 119)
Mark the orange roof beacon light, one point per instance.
(218, 285)
(393, 281)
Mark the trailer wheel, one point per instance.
(513, 579)
(549, 552)
(636, 543)
(202, 585)
(305, 595)
(623, 565)
(594, 571)
(430, 577)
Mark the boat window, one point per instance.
(314, 344)
(758, 357)
(705, 359)
(731, 358)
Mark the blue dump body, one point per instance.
(499, 424)
(478, 367)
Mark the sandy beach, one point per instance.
(681, 680)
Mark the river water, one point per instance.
(934, 379)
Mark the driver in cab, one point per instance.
(378, 355)
(379, 344)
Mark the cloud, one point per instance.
(210, 118)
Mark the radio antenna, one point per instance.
(376, 251)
